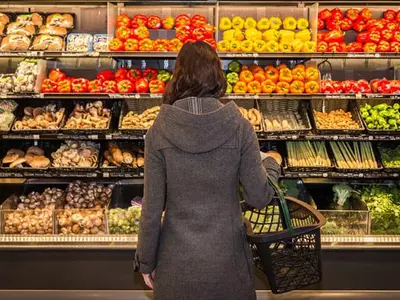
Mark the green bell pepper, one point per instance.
(164, 75)
(228, 88)
(232, 78)
(234, 66)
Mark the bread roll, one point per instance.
(4, 19)
(127, 157)
(17, 162)
(15, 42)
(53, 30)
(31, 19)
(20, 28)
(109, 158)
(116, 153)
(39, 162)
(9, 158)
(35, 150)
(48, 42)
(60, 20)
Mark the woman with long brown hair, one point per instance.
(196, 153)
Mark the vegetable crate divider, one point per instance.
(373, 102)
(348, 222)
(299, 116)
(247, 104)
(137, 106)
(258, 12)
(328, 105)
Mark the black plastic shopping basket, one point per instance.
(286, 242)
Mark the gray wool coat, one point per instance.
(195, 155)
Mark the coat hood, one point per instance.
(197, 125)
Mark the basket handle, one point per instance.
(285, 209)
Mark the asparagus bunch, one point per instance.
(354, 155)
(307, 154)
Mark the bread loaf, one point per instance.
(4, 19)
(60, 20)
(39, 162)
(48, 42)
(21, 28)
(15, 42)
(52, 30)
(31, 19)
(116, 153)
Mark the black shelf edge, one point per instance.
(339, 175)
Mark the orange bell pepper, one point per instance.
(312, 87)
(272, 73)
(285, 75)
(299, 74)
(312, 74)
(260, 76)
(255, 68)
(282, 66)
(282, 88)
(240, 88)
(246, 76)
(254, 87)
(300, 66)
(297, 87)
(268, 86)
(244, 67)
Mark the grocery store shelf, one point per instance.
(60, 136)
(360, 241)
(341, 175)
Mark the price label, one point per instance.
(93, 137)
(155, 96)
(109, 136)
(325, 175)
(106, 174)
(36, 137)
(335, 137)
(256, 96)
(294, 137)
(138, 96)
(358, 96)
(370, 138)
(361, 175)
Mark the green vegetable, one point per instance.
(365, 114)
(228, 88)
(234, 66)
(396, 106)
(342, 192)
(232, 78)
(382, 106)
(164, 75)
(390, 157)
(124, 221)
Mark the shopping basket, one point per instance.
(285, 240)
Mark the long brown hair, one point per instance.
(197, 73)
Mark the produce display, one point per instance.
(307, 154)
(354, 155)
(79, 221)
(335, 119)
(381, 116)
(145, 120)
(81, 195)
(23, 80)
(373, 35)
(125, 156)
(93, 115)
(46, 200)
(379, 86)
(253, 115)
(34, 157)
(75, 154)
(122, 81)
(282, 121)
(254, 79)
(125, 221)
(265, 35)
(37, 221)
(133, 34)
(390, 157)
(40, 118)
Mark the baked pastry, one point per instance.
(4, 19)
(39, 162)
(35, 151)
(17, 162)
(127, 157)
(31, 19)
(52, 30)
(47, 42)
(15, 42)
(116, 153)
(21, 28)
(60, 20)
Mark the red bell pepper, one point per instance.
(212, 43)
(364, 86)
(350, 87)
(116, 45)
(378, 25)
(182, 20)
(398, 16)
(110, 86)
(346, 24)
(371, 24)
(370, 47)
(394, 86)
(321, 24)
(150, 74)
(327, 87)
(125, 86)
(168, 23)
(338, 86)
(123, 33)
(332, 24)
(156, 86)
(362, 37)
(334, 36)
(374, 36)
(79, 85)
(383, 86)
(134, 74)
(123, 21)
(183, 33)
(56, 75)
(198, 21)
(141, 33)
(386, 35)
(337, 14)
(131, 45)
(366, 14)
(160, 45)
(324, 14)
(320, 36)
(392, 26)
(64, 86)
(209, 30)
(322, 47)
(355, 47)
(337, 47)
(106, 75)
(389, 14)
(154, 22)
(49, 86)
(174, 45)
(352, 14)
(190, 41)
(359, 26)
(121, 74)
(395, 46)
(199, 34)
(95, 86)
(146, 45)
(374, 85)
(139, 20)
(383, 46)
(396, 36)
(142, 86)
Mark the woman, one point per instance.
(196, 153)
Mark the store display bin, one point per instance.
(346, 222)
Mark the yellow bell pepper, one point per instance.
(250, 23)
(236, 46)
(272, 46)
(276, 22)
(260, 46)
(302, 23)
(223, 46)
(271, 35)
(228, 35)
(297, 45)
(225, 23)
(247, 46)
(263, 24)
(285, 47)
(238, 35)
(309, 47)
(304, 35)
(253, 34)
(289, 23)
(286, 35)
(237, 22)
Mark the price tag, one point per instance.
(138, 96)
(106, 174)
(358, 96)
(144, 136)
(36, 137)
(155, 96)
(325, 175)
(370, 138)
(335, 137)
(109, 137)
(294, 137)
(361, 175)
(93, 137)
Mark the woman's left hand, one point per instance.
(149, 279)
